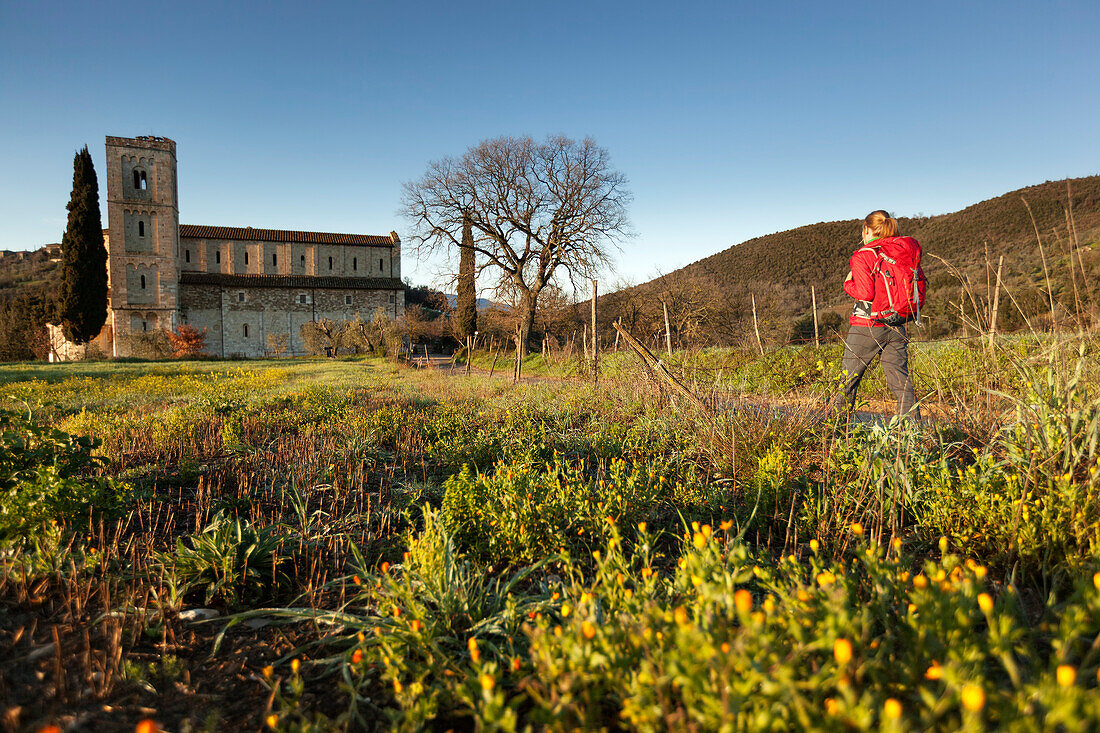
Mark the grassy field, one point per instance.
(313, 544)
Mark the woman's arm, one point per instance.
(861, 285)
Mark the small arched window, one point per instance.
(143, 282)
(274, 259)
(330, 263)
(246, 330)
(380, 265)
(246, 256)
(355, 263)
(141, 228)
(141, 183)
(186, 255)
(218, 257)
(303, 262)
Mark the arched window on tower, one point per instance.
(218, 257)
(380, 265)
(141, 183)
(303, 262)
(274, 259)
(330, 263)
(141, 228)
(246, 330)
(246, 257)
(187, 255)
(143, 282)
(355, 263)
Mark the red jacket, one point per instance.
(861, 286)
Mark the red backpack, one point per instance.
(902, 294)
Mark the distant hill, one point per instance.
(779, 269)
(28, 284)
(482, 303)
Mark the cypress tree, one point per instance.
(466, 299)
(82, 296)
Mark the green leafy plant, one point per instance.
(518, 512)
(46, 475)
(230, 560)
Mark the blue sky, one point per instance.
(730, 119)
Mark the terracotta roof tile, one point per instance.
(290, 281)
(193, 231)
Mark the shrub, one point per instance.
(187, 341)
(517, 513)
(230, 560)
(44, 477)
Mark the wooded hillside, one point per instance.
(28, 285)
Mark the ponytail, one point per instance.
(881, 224)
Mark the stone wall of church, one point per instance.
(247, 321)
(229, 256)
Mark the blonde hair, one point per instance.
(881, 224)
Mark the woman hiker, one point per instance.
(888, 284)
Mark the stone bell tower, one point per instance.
(143, 236)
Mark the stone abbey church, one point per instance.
(249, 288)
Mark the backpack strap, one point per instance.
(885, 281)
(878, 254)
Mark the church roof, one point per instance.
(290, 281)
(193, 231)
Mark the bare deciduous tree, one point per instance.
(536, 209)
(323, 336)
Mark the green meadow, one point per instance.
(355, 544)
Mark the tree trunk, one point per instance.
(526, 320)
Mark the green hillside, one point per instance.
(779, 269)
(28, 283)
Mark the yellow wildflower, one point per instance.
(973, 698)
(1066, 674)
(842, 650)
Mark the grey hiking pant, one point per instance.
(861, 347)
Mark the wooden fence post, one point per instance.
(813, 297)
(595, 339)
(518, 365)
(996, 303)
(756, 326)
(668, 330)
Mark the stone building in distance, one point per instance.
(249, 288)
